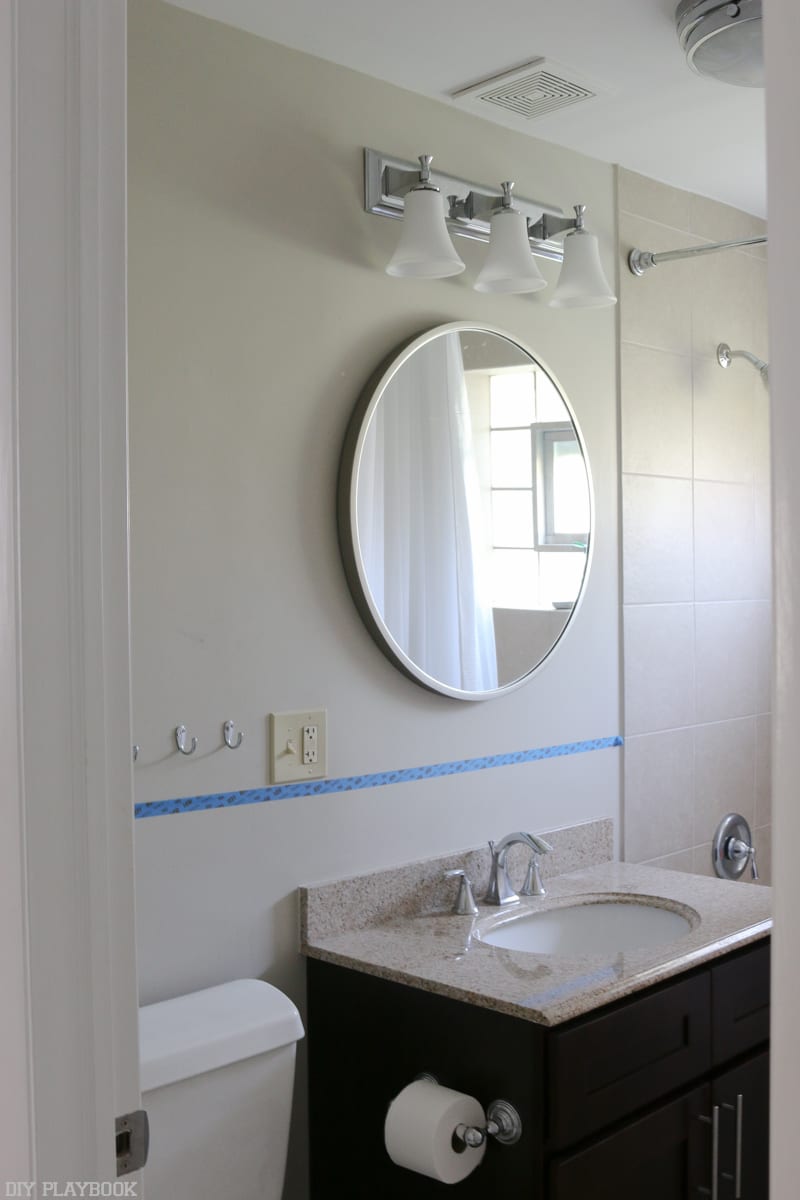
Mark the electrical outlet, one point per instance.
(298, 746)
(310, 744)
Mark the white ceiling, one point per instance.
(654, 116)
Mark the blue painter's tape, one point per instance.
(352, 783)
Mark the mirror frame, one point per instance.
(346, 509)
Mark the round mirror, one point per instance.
(465, 511)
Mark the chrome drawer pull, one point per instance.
(738, 1108)
(713, 1121)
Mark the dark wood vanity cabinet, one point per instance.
(620, 1104)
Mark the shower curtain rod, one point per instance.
(640, 261)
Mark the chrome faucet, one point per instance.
(500, 890)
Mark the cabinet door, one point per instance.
(743, 1098)
(662, 1156)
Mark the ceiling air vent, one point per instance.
(535, 89)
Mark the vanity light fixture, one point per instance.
(517, 231)
(510, 266)
(424, 249)
(582, 282)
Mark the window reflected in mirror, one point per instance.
(536, 504)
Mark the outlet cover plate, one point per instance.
(286, 746)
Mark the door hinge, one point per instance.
(133, 1141)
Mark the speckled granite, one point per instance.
(444, 954)
(406, 891)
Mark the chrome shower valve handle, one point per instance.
(733, 848)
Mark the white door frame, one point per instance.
(66, 917)
(782, 23)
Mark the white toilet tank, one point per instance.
(217, 1074)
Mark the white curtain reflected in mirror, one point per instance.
(420, 522)
(465, 511)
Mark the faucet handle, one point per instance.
(542, 847)
(533, 885)
(465, 905)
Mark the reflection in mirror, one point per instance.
(465, 511)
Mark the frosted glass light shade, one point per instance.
(582, 282)
(424, 250)
(509, 265)
(735, 55)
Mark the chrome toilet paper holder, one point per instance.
(503, 1123)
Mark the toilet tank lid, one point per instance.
(192, 1034)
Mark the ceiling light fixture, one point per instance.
(516, 231)
(723, 41)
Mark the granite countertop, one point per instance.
(438, 952)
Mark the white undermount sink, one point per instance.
(592, 927)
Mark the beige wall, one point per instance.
(695, 531)
(258, 310)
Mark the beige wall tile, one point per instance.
(722, 307)
(645, 197)
(656, 390)
(659, 794)
(763, 626)
(761, 435)
(727, 455)
(657, 529)
(760, 308)
(682, 861)
(659, 667)
(762, 839)
(724, 420)
(726, 646)
(762, 543)
(725, 771)
(721, 222)
(701, 860)
(655, 309)
(764, 769)
(724, 515)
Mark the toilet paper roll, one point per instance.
(419, 1128)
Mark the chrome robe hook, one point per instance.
(180, 741)
(227, 733)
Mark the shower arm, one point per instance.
(640, 261)
(725, 357)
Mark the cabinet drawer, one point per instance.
(740, 1003)
(663, 1156)
(608, 1066)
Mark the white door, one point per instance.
(68, 1006)
(782, 23)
